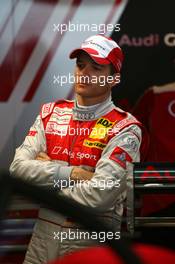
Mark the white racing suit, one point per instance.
(101, 138)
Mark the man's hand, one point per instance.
(43, 157)
(81, 174)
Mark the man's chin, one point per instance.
(82, 93)
(82, 89)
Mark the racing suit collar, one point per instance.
(92, 112)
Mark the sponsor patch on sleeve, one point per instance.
(120, 156)
(32, 133)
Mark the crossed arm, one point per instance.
(77, 173)
(28, 161)
(33, 164)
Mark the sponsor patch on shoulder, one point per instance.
(47, 109)
(123, 123)
(120, 156)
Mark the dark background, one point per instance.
(145, 66)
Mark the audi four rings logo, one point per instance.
(85, 116)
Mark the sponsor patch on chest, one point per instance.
(62, 119)
(56, 129)
(94, 144)
(62, 111)
(101, 128)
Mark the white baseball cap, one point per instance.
(103, 50)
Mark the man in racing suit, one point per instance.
(86, 139)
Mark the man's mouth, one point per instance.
(83, 83)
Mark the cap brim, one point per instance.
(93, 55)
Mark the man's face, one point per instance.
(90, 77)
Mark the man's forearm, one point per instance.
(36, 171)
(77, 173)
